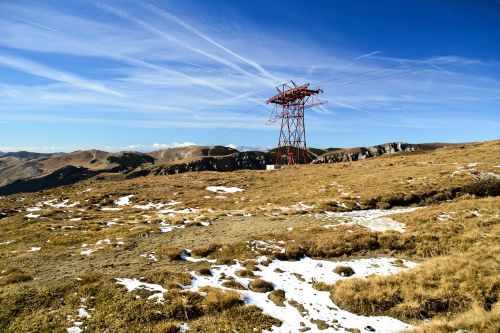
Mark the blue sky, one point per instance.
(148, 74)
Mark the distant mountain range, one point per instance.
(27, 171)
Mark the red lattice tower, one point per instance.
(290, 104)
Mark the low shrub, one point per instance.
(443, 286)
(218, 300)
(484, 185)
(321, 286)
(171, 253)
(14, 275)
(199, 252)
(278, 297)
(344, 271)
(260, 286)
(244, 273)
(233, 284)
(204, 269)
(170, 279)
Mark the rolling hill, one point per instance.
(27, 172)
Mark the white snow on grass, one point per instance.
(35, 249)
(157, 206)
(298, 206)
(134, 284)
(295, 278)
(374, 219)
(445, 216)
(259, 246)
(223, 189)
(99, 245)
(179, 211)
(151, 256)
(475, 213)
(87, 252)
(74, 329)
(123, 201)
(103, 241)
(56, 204)
(183, 328)
(33, 209)
(32, 216)
(111, 208)
(167, 227)
(6, 243)
(75, 219)
(83, 314)
(187, 256)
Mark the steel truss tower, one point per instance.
(290, 103)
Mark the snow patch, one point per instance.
(82, 313)
(187, 256)
(296, 278)
(151, 256)
(111, 209)
(158, 205)
(87, 252)
(56, 204)
(445, 216)
(259, 246)
(134, 284)
(123, 201)
(223, 189)
(374, 219)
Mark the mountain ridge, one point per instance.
(27, 172)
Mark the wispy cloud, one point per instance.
(37, 69)
(138, 65)
(123, 14)
(200, 34)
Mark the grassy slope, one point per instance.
(459, 260)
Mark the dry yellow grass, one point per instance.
(456, 254)
(260, 286)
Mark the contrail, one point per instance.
(164, 35)
(367, 55)
(194, 80)
(32, 23)
(158, 11)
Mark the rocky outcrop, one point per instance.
(361, 153)
(252, 160)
